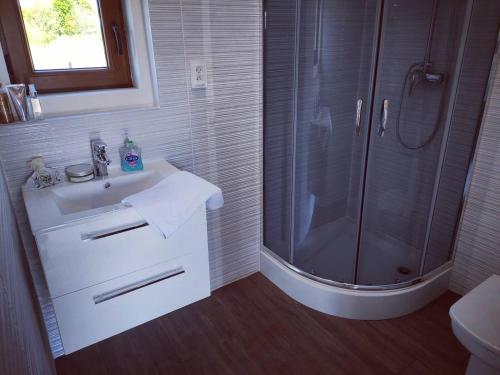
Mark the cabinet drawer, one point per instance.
(87, 254)
(93, 314)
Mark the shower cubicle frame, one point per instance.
(272, 264)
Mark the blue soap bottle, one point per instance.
(130, 156)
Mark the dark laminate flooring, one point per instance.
(251, 327)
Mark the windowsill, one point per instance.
(143, 96)
(97, 102)
(74, 116)
(34, 122)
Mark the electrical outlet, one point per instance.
(198, 74)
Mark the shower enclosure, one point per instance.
(371, 110)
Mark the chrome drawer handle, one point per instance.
(103, 297)
(359, 107)
(103, 234)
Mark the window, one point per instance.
(66, 45)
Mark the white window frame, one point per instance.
(144, 94)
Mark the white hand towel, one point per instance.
(171, 202)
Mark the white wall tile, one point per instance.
(477, 253)
(214, 134)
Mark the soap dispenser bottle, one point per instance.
(130, 156)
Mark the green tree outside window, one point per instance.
(46, 21)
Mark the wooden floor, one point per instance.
(251, 327)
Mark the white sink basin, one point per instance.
(71, 198)
(68, 202)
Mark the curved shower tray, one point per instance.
(352, 301)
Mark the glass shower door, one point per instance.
(417, 61)
(336, 43)
(370, 110)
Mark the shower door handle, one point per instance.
(359, 108)
(383, 118)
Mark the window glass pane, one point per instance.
(64, 34)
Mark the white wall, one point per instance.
(215, 134)
(478, 243)
(4, 74)
(23, 344)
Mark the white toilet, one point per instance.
(475, 320)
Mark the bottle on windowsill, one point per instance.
(34, 107)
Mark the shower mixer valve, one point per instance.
(424, 74)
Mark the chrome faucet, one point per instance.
(99, 157)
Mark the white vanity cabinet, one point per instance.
(107, 270)
(105, 279)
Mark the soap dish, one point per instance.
(80, 172)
